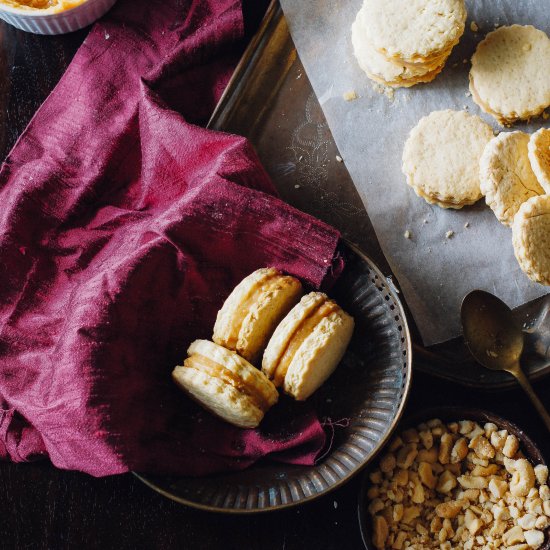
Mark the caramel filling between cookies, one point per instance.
(303, 330)
(269, 283)
(215, 370)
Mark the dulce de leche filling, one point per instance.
(270, 282)
(303, 330)
(210, 367)
(50, 5)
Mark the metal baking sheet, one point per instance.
(435, 271)
(270, 100)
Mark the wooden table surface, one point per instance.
(45, 508)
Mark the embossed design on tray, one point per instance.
(309, 147)
(362, 401)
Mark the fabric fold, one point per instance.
(124, 227)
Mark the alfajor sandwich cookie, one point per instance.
(225, 384)
(250, 314)
(308, 345)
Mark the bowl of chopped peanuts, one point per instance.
(457, 479)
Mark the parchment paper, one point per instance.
(434, 272)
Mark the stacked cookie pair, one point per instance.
(515, 179)
(441, 157)
(405, 42)
(299, 343)
(510, 73)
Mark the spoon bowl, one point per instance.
(491, 332)
(495, 339)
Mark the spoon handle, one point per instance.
(526, 385)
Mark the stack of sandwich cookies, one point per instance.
(510, 74)
(308, 345)
(401, 43)
(301, 349)
(252, 311)
(507, 179)
(441, 158)
(225, 384)
(539, 157)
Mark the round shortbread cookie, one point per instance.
(507, 180)
(374, 63)
(414, 30)
(539, 157)
(441, 157)
(531, 238)
(511, 73)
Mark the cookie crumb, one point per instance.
(464, 61)
(296, 186)
(381, 89)
(455, 65)
(466, 225)
(449, 234)
(350, 96)
(339, 158)
(468, 94)
(526, 47)
(407, 234)
(545, 115)
(496, 25)
(473, 26)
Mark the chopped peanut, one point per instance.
(511, 446)
(541, 472)
(428, 455)
(406, 456)
(449, 509)
(447, 482)
(426, 475)
(381, 531)
(482, 447)
(445, 448)
(387, 463)
(513, 535)
(498, 487)
(458, 486)
(459, 451)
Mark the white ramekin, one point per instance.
(55, 23)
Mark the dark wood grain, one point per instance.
(44, 508)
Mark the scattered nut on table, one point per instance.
(458, 486)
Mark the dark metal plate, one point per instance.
(363, 400)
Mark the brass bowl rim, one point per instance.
(380, 445)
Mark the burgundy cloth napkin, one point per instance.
(123, 227)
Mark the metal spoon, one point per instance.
(495, 339)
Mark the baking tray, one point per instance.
(270, 100)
